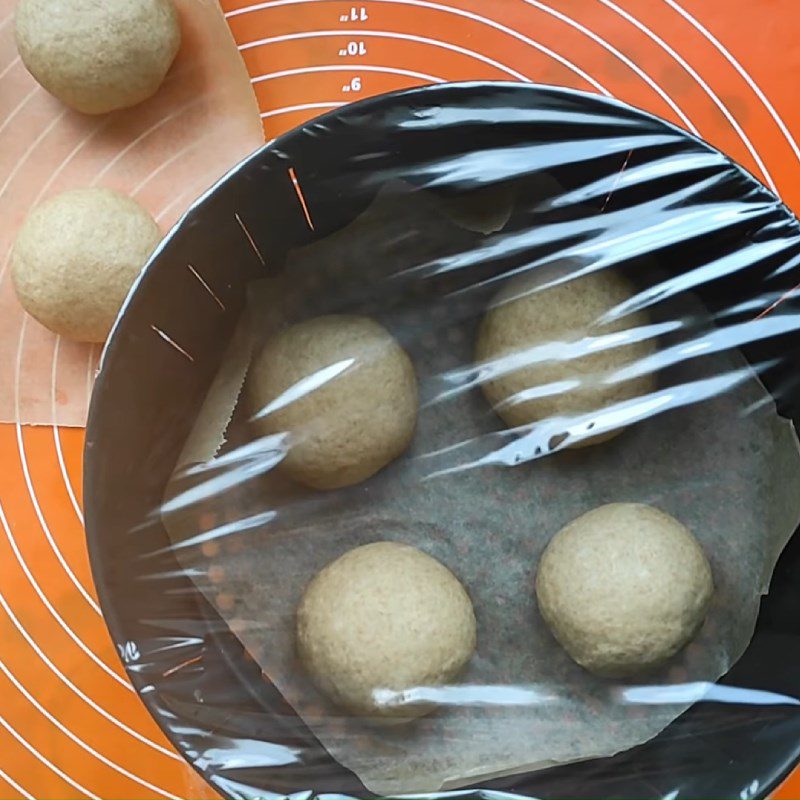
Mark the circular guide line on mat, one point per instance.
(285, 73)
(44, 760)
(743, 73)
(8, 69)
(15, 786)
(10, 118)
(301, 107)
(73, 500)
(29, 484)
(699, 80)
(56, 616)
(141, 138)
(67, 682)
(164, 166)
(606, 45)
(80, 742)
(14, 172)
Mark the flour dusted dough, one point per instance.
(346, 393)
(77, 256)
(623, 588)
(98, 55)
(540, 344)
(381, 620)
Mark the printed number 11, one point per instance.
(359, 14)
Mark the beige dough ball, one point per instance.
(98, 55)
(537, 343)
(77, 256)
(344, 390)
(623, 588)
(382, 619)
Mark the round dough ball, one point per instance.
(77, 256)
(344, 390)
(624, 588)
(98, 55)
(381, 619)
(548, 334)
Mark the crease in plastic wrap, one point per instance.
(554, 193)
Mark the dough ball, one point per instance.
(98, 55)
(624, 588)
(77, 256)
(344, 390)
(384, 617)
(541, 348)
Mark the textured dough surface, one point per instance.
(77, 256)
(623, 588)
(541, 345)
(344, 390)
(98, 56)
(384, 616)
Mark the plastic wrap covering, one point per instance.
(459, 319)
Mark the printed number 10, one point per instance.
(356, 49)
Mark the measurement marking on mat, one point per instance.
(251, 240)
(617, 181)
(356, 14)
(206, 286)
(353, 49)
(354, 85)
(171, 342)
(301, 197)
(782, 299)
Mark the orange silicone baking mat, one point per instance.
(70, 724)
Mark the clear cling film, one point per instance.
(466, 468)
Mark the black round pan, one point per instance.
(209, 697)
